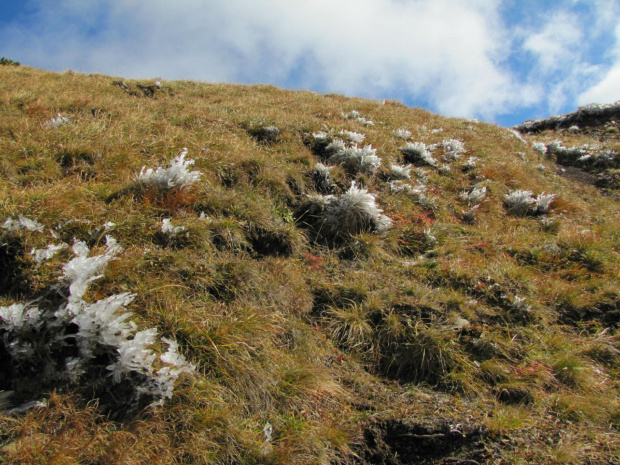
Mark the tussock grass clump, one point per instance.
(337, 218)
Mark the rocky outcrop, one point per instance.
(588, 116)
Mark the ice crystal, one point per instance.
(177, 175)
(22, 222)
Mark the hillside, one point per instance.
(219, 274)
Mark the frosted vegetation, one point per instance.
(522, 203)
(176, 175)
(418, 153)
(68, 340)
(354, 159)
(338, 217)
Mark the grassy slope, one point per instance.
(342, 349)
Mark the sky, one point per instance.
(502, 61)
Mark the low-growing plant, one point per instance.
(418, 153)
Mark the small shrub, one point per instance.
(8, 62)
(353, 159)
(474, 196)
(518, 203)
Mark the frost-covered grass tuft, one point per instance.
(357, 116)
(354, 159)
(418, 153)
(400, 172)
(11, 225)
(519, 202)
(453, 149)
(543, 202)
(402, 133)
(322, 178)
(353, 136)
(518, 136)
(58, 121)
(66, 340)
(539, 147)
(337, 218)
(474, 196)
(169, 230)
(177, 175)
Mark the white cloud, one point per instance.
(447, 52)
(555, 44)
(607, 89)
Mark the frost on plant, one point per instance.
(66, 340)
(176, 175)
(357, 116)
(169, 230)
(400, 172)
(353, 136)
(322, 179)
(418, 154)
(539, 147)
(354, 159)
(474, 196)
(452, 149)
(58, 121)
(542, 203)
(50, 251)
(519, 202)
(22, 222)
(402, 133)
(339, 217)
(518, 136)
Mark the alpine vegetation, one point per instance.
(337, 218)
(453, 149)
(354, 159)
(542, 204)
(65, 340)
(418, 154)
(357, 116)
(40, 255)
(400, 172)
(322, 179)
(519, 202)
(402, 133)
(539, 147)
(177, 175)
(169, 230)
(11, 225)
(353, 136)
(58, 121)
(474, 196)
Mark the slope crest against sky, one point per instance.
(503, 61)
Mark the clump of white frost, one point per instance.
(402, 133)
(522, 203)
(169, 230)
(474, 196)
(418, 153)
(339, 217)
(353, 136)
(539, 147)
(357, 116)
(400, 172)
(176, 175)
(22, 222)
(58, 121)
(50, 251)
(354, 159)
(79, 340)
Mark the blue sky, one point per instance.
(500, 61)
